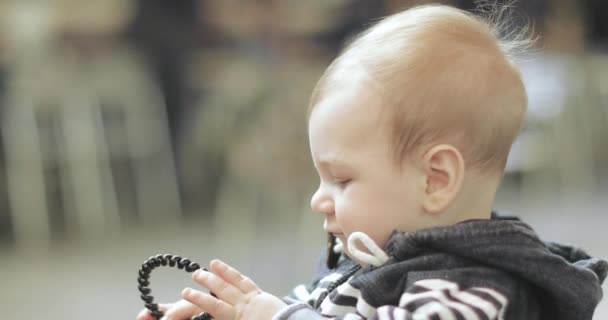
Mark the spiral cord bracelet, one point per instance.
(144, 280)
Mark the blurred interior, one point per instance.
(136, 127)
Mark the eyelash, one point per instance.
(342, 183)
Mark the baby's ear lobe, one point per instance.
(444, 171)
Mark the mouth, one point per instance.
(329, 230)
(336, 234)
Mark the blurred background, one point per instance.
(130, 128)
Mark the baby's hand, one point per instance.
(238, 297)
(180, 310)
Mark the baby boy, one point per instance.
(410, 129)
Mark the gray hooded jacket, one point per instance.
(494, 269)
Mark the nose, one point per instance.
(322, 202)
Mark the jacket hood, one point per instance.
(568, 277)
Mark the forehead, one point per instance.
(345, 120)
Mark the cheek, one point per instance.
(355, 213)
(375, 212)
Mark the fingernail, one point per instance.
(201, 275)
(186, 292)
(218, 264)
(214, 263)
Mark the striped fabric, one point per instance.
(314, 294)
(444, 300)
(432, 299)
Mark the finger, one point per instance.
(233, 276)
(217, 308)
(182, 310)
(145, 313)
(222, 289)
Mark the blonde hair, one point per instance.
(444, 75)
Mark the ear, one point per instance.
(444, 174)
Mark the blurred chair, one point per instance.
(86, 136)
(231, 87)
(76, 137)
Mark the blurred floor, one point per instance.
(96, 278)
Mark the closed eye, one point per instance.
(342, 183)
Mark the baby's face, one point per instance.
(361, 188)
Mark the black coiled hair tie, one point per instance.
(144, 277)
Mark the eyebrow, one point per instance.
(333, 161)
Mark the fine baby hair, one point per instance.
(442, 74)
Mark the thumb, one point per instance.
(181, 310)
(145, 313)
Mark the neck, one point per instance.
(476, 200)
